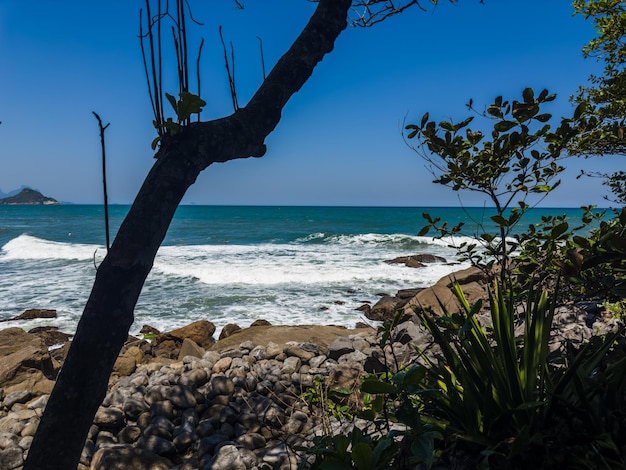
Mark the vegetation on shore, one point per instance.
(491, 397)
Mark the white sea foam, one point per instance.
(26, 247)
(316, 281)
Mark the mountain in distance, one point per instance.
(28, 196)
(13, 193)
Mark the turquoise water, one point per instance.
(288, 265)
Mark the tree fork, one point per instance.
(108, 315)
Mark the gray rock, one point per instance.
(133, 407)
(129, 434)
(251, 440)
(11, 458)
(128, 458)
(157, 445)
(163, 408)
(109, 418)
(339, 347)
(181, 397)
(207, 445)
(221, 385)
(19, 396)
(228, 458)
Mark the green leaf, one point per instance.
(362, 456)
(498, 219)
(529, 95)
(155, 142)
(173, 102)
(559, 230)
(189, 104)
(504, 126)
(377, 386)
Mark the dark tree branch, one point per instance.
(108, 315)
(104, 180)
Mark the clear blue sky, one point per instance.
(339, 142)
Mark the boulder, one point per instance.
(190, 348)
(228, 330)
(384, 309)
(200, 332)
(25, 363)
(50, 335)
(473, 282)
(33, 313)
(417, 261)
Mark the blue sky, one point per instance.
(339, 142)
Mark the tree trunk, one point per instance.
(108, 315)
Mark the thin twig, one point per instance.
(198, 70)
(262, 57)
(231, 79)
(104, 180)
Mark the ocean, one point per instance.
(286, 265)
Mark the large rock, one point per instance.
(200, 332)
(321, 335)
(25, 363)
(473, 283)
(33, 313)
(417, 261)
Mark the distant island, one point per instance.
(28, 196)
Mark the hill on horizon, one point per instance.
(28, 196)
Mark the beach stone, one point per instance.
(19, 396)
(221, 385)
(182, 397)
(190, 348)
(129, 434)
(207, 445)
(222, 365)
(11, 458)
(109, 418)
(133, 407)
(291, 365)
(127, 457)
(339, 347)
(125, 364)
(228, 458)
(251, 440)
(304, 351)
(157, 445)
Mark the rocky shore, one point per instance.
(180, 400)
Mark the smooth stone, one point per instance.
(128, 458)
(228, 458)
(11, 458)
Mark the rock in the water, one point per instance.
(417, 261)
(33, 313)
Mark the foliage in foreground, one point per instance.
(491, 399)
